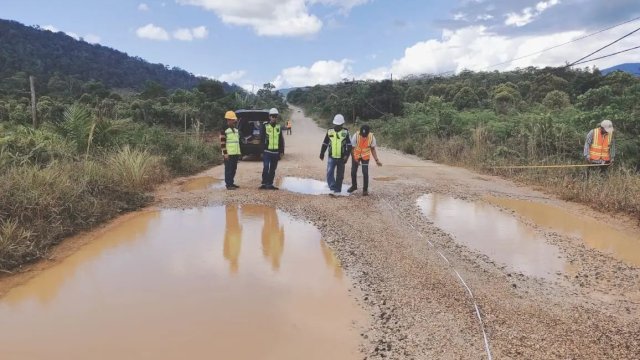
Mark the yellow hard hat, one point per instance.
(230, 115)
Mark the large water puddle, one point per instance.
(228, 282)
(309, 186)
(598, 235)
(202, 183)
(501, 237)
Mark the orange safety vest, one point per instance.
(599, 149)
(362, 150)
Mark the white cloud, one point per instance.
(484, 17)
(51, 28)
(459, 16)
(321, 72)
(272, 17)
(200, 32)
(152, 32)
(183, 34)
(92, 38)
(232, 76)
(529, 14)
(476, 48)
(186, 34)
(143, 7)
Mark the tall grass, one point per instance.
(136, 169)
(483, 141)
(67, 177)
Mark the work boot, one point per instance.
(263, 187)
(365, 193)
(230, 187)
(235, 186)
(352, 189)
(271, 187)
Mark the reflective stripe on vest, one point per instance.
(336, 140)
(273, 135)
(362, 150)
(599, 149)
(233, 141)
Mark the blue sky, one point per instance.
(306, 42)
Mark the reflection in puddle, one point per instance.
(170, 284)
(598, 235)
(309, 186)
(486, 229)
(202, 183)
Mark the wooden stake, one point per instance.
(34, 117)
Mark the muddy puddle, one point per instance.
(202, 183)
(484, 228)
(595, 234)
(309, 186)
(234, 282)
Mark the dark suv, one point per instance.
(249, 124)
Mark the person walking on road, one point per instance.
(364, 145)
(600, 146)
(230, 144)
(273, 142)
(338, 142)
(289, 126)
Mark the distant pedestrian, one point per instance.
(289, 127)
(230, 144)
(600, 146)
(339, 144)
(273, 149)
(364, 145)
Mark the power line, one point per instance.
(565, 43)
(555, 47)
(604, 47)
(605, 56)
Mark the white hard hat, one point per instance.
(273, 111)
(338, 119)
(607, 125)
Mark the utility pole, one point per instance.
(34, 117)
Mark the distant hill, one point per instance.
(42, 53)
(632, 68)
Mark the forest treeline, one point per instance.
(528, 116)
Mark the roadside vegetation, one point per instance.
(484, 120)
(97, 153)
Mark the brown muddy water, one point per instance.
(309, 186)
(503, 238)
(202, 183)
(624, 246)
(228, 282)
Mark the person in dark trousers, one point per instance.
(339, 144)
(364, 145)
(230, 144)
(273, 142)
(289, 127)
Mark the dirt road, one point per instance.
(431, 295)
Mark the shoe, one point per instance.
(235, 186)
(365, 193)
(231, 188)
(271, 187)
(263, 187)
(352, 189)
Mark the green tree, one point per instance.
(556, 100)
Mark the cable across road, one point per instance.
(464, 284)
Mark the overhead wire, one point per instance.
(604, 47)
